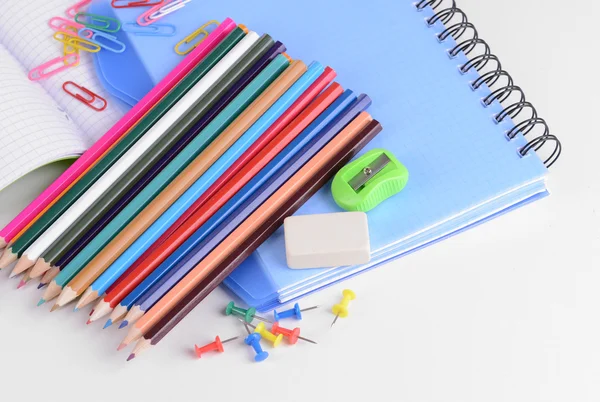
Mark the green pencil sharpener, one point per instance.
(371, 179)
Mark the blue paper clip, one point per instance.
(150, 30)
(104, 44)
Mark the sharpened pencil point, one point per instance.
(41, 285)
(123, 324)
(108, 324)
(131, 357)
(42, 301)
(122, 346)
(55, 307)
(88, 322)
(13, 274)
(21, 284)
(91, 312)
(75, 309)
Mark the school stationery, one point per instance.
(244, 168)
(216, 127)
(45, 231)
(247, 230)
(178, 186)
(453, 117)
(208, 177)
(260, 188)
(275, 50)
(161, 154)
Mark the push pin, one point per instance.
(217, 346)
(292, 335)
(248, 314)
(266, 334)
(253, 339)
(341, 309)
(292, 312)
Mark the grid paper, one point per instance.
(25, 33)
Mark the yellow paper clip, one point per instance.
(194, 35)
(77, 42)
(69, 49)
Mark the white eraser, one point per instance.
(327, 240)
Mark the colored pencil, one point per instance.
(246, 229)
(153, 162)
(158, 331)
(174, 190)
(261, 151)
(145, 144)
(275, 50)
(137, 132)
(192, 193)
(54, 191)
(220, 123)
(253, 194)
(324, 126)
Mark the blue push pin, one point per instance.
(292, 312)
(253, 339)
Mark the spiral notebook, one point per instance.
(420, 66)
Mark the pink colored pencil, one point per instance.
(115, 133)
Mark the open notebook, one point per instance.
(39, 122)
(463, 168)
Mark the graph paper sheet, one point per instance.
(26, 36)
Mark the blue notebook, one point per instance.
(463, 168)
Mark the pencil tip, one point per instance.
(91, 312)
(131, 357)
(123, 324)
(42, 301)
(21, 284)
(122, 346)
(108, 324)
(13, 274)
(41, 285)
(55, 307)
(88, 322)
(75, 309)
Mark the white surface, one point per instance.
(326, 240)
(507, 311)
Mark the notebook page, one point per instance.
(24, 31)
(34, 131)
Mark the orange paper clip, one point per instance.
(128, 3)
(71, 11)
(53, 67)
(85, 96)
(188, 39)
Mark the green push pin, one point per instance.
(247, 314)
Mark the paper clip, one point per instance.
(86, 96)
(50, 68)
(77, 42)
(99, 22)
(159, 11)
(67, 50)
(63, 24)
(73, 10)
(128, 4)
(96, 38)
(202, 30)
(150, 30)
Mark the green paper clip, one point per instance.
(365, 183)
(99, 22)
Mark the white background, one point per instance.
(507, 311)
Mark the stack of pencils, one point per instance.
(190, 182)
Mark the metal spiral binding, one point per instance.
(500, 92)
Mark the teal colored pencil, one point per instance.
(223, 119)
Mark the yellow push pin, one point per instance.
(262, 330)
(341, 309)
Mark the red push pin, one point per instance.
(292, 335)
(217, 346)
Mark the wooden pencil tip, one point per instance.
(23, 265)
(88, 322)
(123, 324)
(3, 243)
(55, 307)
(88, 296)
(91, 312)
(42, 301)
(21, 284)
(40, 268)
(7, 258)
(122, 346)
(41, 285)
(131, 357)
(107, 324)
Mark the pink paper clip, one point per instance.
(71, 11)
(63, 24)
(85, 96)
(159, 11)
(53, 67)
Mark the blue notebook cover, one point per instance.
(463, 168)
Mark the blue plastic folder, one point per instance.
(463, 168)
